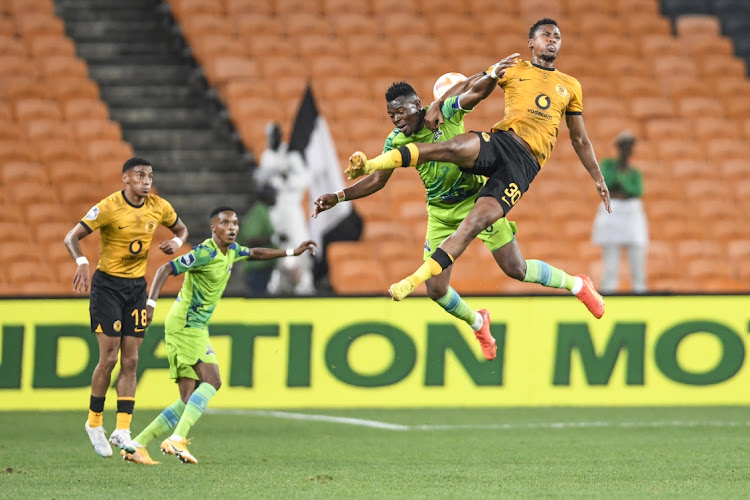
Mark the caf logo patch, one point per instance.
(93, 213)
(561, 90)
(486, 136)
(117, 325)
(150, 226)
(187, 260)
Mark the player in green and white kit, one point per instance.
(207, 268)
(451, 193)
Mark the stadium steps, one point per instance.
(158, 96)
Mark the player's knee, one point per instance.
(129, 364)
(436, 293)
(514, 268)
(108, 360)
(215, 382)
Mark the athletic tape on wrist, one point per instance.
(82, 260)
(340, 195)
(151, 302)
(290, 252)
(177, 240)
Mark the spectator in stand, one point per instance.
(256, 230)
(626, 226)
(286, 171)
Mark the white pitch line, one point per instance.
(319, 418)
(448, 427)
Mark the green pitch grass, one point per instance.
(458, 453)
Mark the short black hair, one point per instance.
(539, 23)
(399, 89)
(216, 211)
(134, 162)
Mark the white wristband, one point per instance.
(151, 302)
(290, 252)
(177, 240)
(82, 260)
(340, 196)
(493, 73)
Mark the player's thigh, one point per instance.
(185, 348)
(208, 372)
(134, 319)
(106, 305)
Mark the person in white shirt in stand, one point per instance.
(286, 171)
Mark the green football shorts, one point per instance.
(442, 222)
(185, 347)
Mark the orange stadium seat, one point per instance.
(14, 171)
(691, 168)
(11, 46)
(23, 86)
(254, 7)
(709, 128)
(19, 7)
(698, 107)
(261, 46)
(284, 7)
(48, 45)
(667, 128)
(183, 9)
(679, 149)
(15, 65)
(61, 171)
(37, 109)
(10, 131)
(720, 65)
(86, 130)
(85, 109)
(108, 151)
(215, 45)
(195, 26)
(66, 88)
(651, 107)
(332, 8)
(41, 130)
(31, 24)
(700, 46)
(656, 45)
(79, 192)
(646, 23)
(15, 150)
(225, 69)
(737, 107)
(54, 66)
(734, 169)
(305, 22)
(692, 25)
(725, 149)
(54, 149)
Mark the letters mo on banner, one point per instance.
(325, 353)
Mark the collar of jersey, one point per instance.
(542, 67)
(128, 201)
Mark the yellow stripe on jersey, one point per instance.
(536, 99)
(126, 231)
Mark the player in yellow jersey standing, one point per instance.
(126, 221)
(537, 97)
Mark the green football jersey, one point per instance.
(207, 272)
(445, 183)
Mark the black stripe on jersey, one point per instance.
(175, 221)
(573, 113)
(85, 226)
(128, 201)
(542, 67)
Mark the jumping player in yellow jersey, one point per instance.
(537, 96)
(126, 221)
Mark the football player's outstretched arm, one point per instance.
(160, 278)
(585, 151)
(365, 187)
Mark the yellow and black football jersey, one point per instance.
(536, 99)
(126, 231)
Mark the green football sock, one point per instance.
(538, 271)
(195, 407)
(455, 305)
(162, 423)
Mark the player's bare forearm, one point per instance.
(180, 231)
(360, 189)
(275, 253)
(82, 276)
(160, 278)
(585, 152)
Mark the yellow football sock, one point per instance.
(123, 420)
(394, 159)
(427, 270)
(95, 418)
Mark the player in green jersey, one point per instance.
(451, 193)
(207, 268)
